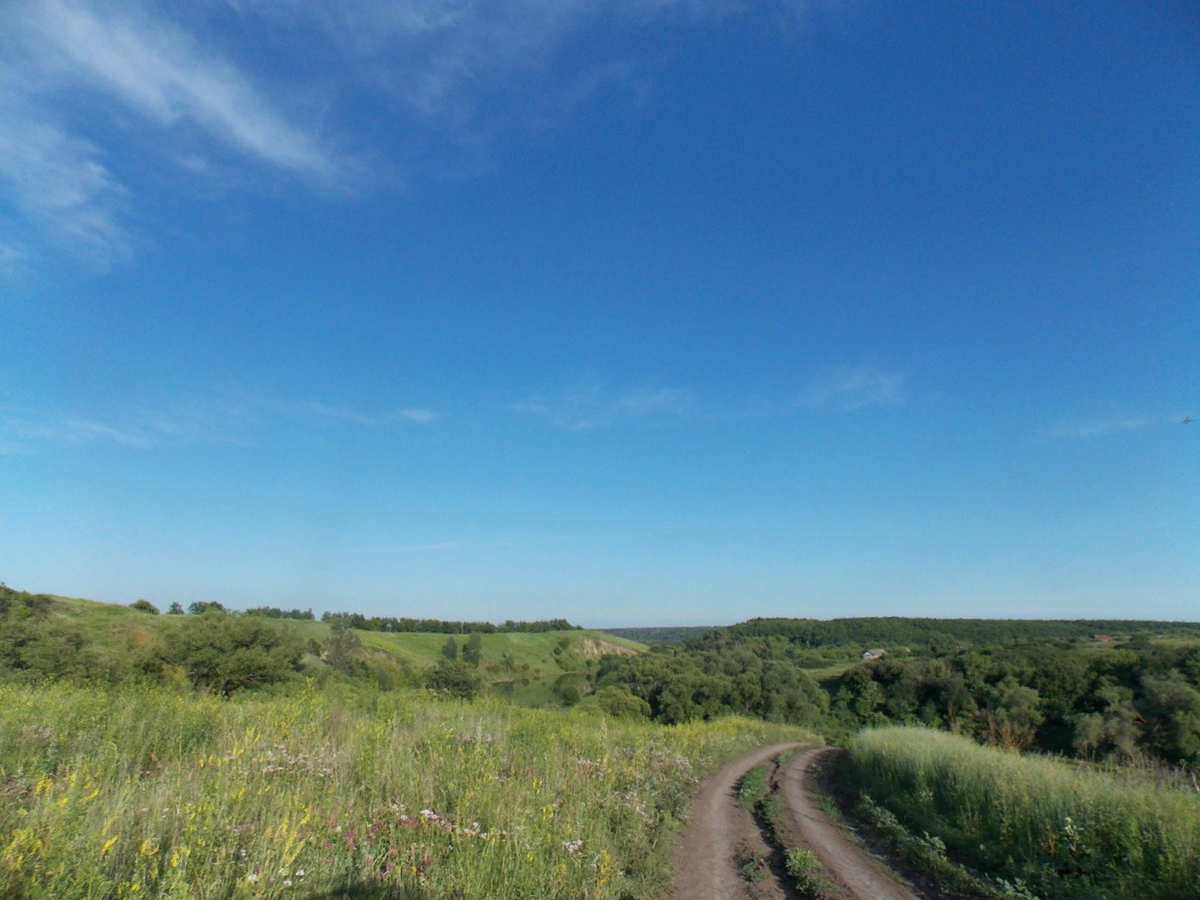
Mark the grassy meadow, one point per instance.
(1066, 830)
(148, 792)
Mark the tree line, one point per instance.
(1139, 700)
(438, 626)
(368, 623)
(942, 635)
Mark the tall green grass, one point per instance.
(148, 793)
(1067, 831)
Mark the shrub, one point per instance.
(226, 653)
(452, 678)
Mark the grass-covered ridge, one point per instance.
(1067, 830)
(45, 636)
(148, 793)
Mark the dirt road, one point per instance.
(863, 876)
(706, 860)
(705, 857)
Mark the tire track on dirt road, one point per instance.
(704, 858)
(863, 876)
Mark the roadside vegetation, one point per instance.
(1055, 829)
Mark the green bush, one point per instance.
(617, 701)
(225, 653)
(453, 678)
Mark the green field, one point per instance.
(152, 793)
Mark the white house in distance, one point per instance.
(869, 655)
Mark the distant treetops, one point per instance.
(438, 626)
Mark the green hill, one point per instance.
(525, 667)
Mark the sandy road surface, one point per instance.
(863, 876)
(705, 855)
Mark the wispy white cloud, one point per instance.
(594, 409)
(14, 258)
(61, 186)
(154, 67)
(13, 448)
(74, 73)
(316, 413)
(254, 91)
(1101, 427)
(231, 419)
(849, 388)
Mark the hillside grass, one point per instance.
(1067, 831)
(111, 629)
(327, 793)
(537, 648)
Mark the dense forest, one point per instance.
(944, 634)
(1025, 685)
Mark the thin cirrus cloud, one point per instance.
(1101, 427)
(316, 413)
(231, 420)
(59, 156)
(249, 92)
(837, 389)
(850, 388)
(154, 68)
(61, 188)
(594, 409)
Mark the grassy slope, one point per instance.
(421, 650)
(1069, 831)
(109, 627)
(150, 793)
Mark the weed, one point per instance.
(752, 788)
(756, 867)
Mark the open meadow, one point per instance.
(145, 792)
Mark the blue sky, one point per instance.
(633, 312)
